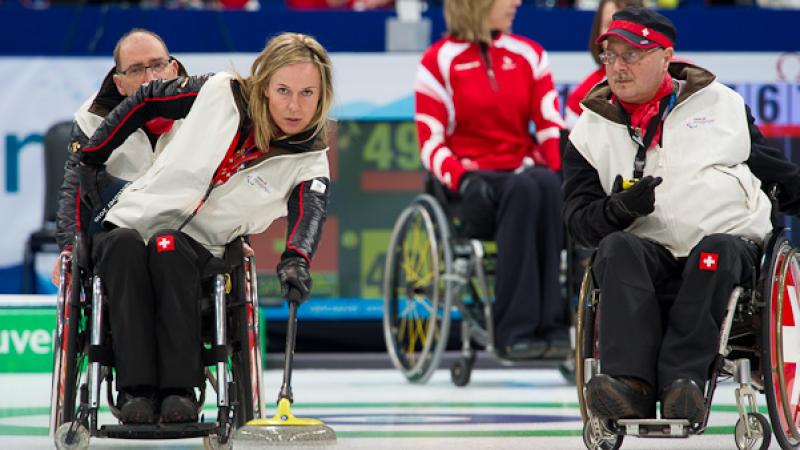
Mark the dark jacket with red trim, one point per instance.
(698, 121)
(178, 191)
(131, 160)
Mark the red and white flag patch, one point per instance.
(165, 243)
(708, 261)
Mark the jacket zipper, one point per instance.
(487, 60)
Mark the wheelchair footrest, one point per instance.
(158, 431)
(656, 428)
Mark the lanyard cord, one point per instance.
(665, 106)
(233, 162)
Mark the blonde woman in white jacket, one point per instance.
(250, 150)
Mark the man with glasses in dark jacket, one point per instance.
(663, 174)
(140, 56)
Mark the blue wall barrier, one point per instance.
(93, 30)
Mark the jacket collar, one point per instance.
(108, 97)
(693, 78)
(305, 141)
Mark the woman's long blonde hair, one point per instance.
(283, 50)
(467, 19)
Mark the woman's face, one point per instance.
(502, 13)
(293, 93)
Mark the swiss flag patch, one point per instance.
(165, 243)
(708, 261)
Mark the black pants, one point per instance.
(529, 237)
(153, 293)
(660, 316)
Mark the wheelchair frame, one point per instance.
(428, 271)
(751, 349)
(82, 362)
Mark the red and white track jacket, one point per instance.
(474, 116)
(574, 108)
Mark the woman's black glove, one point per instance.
(637, 201)
(477, 208)
(293, 275)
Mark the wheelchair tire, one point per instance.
(246, 358)
(781, 315)
(604, 440)
(416, 293)
(759, 425)
(212, 442)
(584, 337)
(67, 357)
(80, 441)
(461, 371)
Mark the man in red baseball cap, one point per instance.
(662, 174)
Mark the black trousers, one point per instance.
(529, 237)
(153, 293)
(660, 316)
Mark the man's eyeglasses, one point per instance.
(138, 70)
(628, 57)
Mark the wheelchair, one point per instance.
(756, 346)
(83, 358)
(432, 271)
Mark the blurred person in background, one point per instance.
(140, 56)
(602, 18)
(357, 5)
(477, 91)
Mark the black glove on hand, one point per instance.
(293, 274)
(474, 188)
(477, 208)
(637, 201)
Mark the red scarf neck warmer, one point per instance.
(642, 114)
(159, 125)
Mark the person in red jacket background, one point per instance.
(602, 18)
(477, 91)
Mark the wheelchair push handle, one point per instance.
(294, 296)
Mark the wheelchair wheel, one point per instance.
(461, 370)
(760, 434)
(246, 359)
(416, 294)
(79, 441)
(212, 442)
(597, 437)
(584, 336)
(780, 331)
(67, 350)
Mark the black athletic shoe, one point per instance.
(557, 349)
(137, 408)
(683, 399)
(525, 349)
(620, 398)
(179, 408)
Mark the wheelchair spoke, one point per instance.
(421, 330)
(422, 281)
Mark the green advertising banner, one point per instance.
(26, 339)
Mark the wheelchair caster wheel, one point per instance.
(212, 442)
(461, 371)
(79, 441)
(760, 432)
(597, 437)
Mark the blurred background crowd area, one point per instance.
(364, 5)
